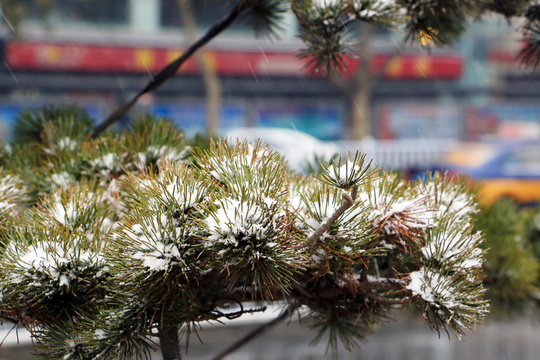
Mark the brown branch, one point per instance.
(321, 294)
(381, 285)
(14, 327)
(387, 301)
(328, 293)
(312, 240)
(355, 288)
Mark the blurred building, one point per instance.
(99, 53)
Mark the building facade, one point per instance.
(99, 53)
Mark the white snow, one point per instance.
(376, 193)
(51, 260)
(183, 195)
(432, 287)
(156, 152)
(142, 159)
(11, 192)
(100, 334)
(65, 214)
(457, 246)
(414, 213)
(155, 243)
(373, 8)
(6, 206)
(245, 226)
(63, 180)
(63, 281)
(367, 13)
(378, 279)
(107, 163)
(67, 143)
(163, 153)
(69, 211)
(326, 3)
(233, 218)
(160, 259)
(345, 172)
(451, 199)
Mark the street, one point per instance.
(406, 339)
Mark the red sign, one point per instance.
(97, 58)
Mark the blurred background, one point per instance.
(98, 53)
(407, 104)
(470, 109)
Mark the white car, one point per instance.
(298, 148)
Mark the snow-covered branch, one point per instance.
(134, 246)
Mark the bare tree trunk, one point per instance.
(360, 111)
(361, 89)
(212, 83)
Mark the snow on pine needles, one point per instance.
(181, 239)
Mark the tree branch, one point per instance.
(170, 70)
(347, 203)
(387, 301)
(329, 292)
(168, 340)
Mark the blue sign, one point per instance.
(324, 122)
(8, 113)
(191, 118)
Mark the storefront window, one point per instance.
(207, 13)
(61, 12)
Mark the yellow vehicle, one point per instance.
(501, 170)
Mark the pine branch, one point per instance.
(232, 225)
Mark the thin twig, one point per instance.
(237, 314)
(347, 203)
(258, 331)
(170, 70)
(14, 327)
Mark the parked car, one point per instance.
(300, 149)
(501, 170)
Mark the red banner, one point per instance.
(44, 56)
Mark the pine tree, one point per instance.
(112, 240)
(329, 31)
(512, 266)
